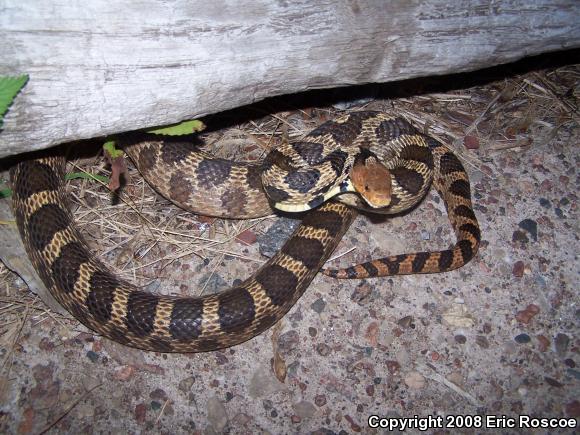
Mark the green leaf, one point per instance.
(5, 193)
(110, 149)
(179, 129)
(9, 87)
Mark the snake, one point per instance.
(185, 174)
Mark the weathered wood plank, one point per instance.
(102, 67)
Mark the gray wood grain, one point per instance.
(103, 67)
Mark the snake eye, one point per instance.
(366, 187)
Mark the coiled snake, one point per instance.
(119, 310)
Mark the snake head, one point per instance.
(372, 180)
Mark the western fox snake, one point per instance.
(121, 311)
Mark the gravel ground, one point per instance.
(496, 338)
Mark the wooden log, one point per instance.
(102, 67)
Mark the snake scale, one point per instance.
(121, 311)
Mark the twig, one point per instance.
(489, 105)
(442, 380)
(340, 255)
(549, 89)
(161, 411)
(219, 260)
(68, 410)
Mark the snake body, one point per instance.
(452, 183)
(119, 310)
(297, 176)
(197, 181)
